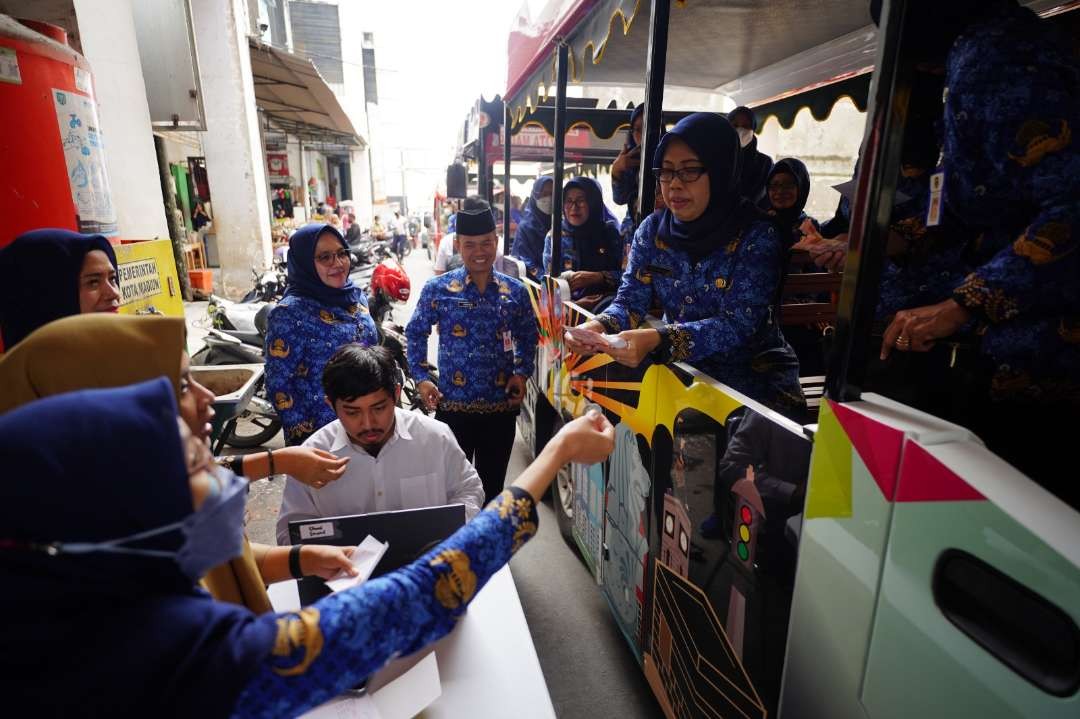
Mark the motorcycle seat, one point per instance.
(249, 338)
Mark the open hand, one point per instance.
(313, 467)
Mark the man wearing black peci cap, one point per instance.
(487, 339)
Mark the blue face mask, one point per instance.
(213, 534)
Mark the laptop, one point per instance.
(410, 532)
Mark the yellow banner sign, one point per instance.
(147, 278)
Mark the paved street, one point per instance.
(588, 666)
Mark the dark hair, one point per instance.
(473, 203)
(356, 370)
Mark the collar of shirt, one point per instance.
(402, 420)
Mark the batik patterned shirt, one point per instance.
(611, 249)
(719, 310)
(301, 335)
(331, 646)
(484, 339)
(1011, 167)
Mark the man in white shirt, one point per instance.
(397, 459)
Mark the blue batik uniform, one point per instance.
(609, 252)
(719, 310)
(595, 246)
(1011, 168)
(484, 339)
(327, 648)
(529, 240)
(301, 337)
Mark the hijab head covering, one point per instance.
(39, 279)
(531, 210)
(107, 634)
(89, 351)
(716, 144)
(634, 115)
(743, 110)
(304, 278)
(788, 217)
(104, 350)
(594, 239)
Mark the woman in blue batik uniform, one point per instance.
(713, 263)
(321, 311)
(626, 171)
(101, 633)
(1011, 169)
(591, 245)
(529, 240)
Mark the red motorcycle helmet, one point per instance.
(390, 277)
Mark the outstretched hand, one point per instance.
(586, 440)
(313, 467)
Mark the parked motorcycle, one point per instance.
(238, 337)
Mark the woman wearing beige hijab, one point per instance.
(97, 351)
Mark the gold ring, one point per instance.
(902, 341)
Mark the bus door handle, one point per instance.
(1021, 629)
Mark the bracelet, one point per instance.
(270, 458)
(294, 561)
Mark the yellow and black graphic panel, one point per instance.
(692, 668)
(727, 499)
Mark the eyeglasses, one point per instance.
(329, 258)
(782, 186)
(685, 174)
(579, 202)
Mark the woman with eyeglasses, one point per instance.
(787, 189)
(713, 263)
(591, 244)
(321, 311)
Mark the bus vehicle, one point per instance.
(874, 558)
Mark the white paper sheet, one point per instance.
(412, 692)
(364, 559)
(347, 707)
(403, 698)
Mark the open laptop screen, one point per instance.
(410, 532)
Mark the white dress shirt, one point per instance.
(421, 465)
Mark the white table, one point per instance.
(487, 665)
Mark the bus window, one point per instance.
(974, 320)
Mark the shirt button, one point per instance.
(379, 494)
(689, 300)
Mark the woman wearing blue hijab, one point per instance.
(52, 273)
(713, 263)
(592, 247)
(625, 171)
(529, 241)
(321, 311)
(110, 621)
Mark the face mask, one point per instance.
(544, 205)
(213, 534)
(745, 135)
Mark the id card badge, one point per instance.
(508, 341)
(937, 199)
